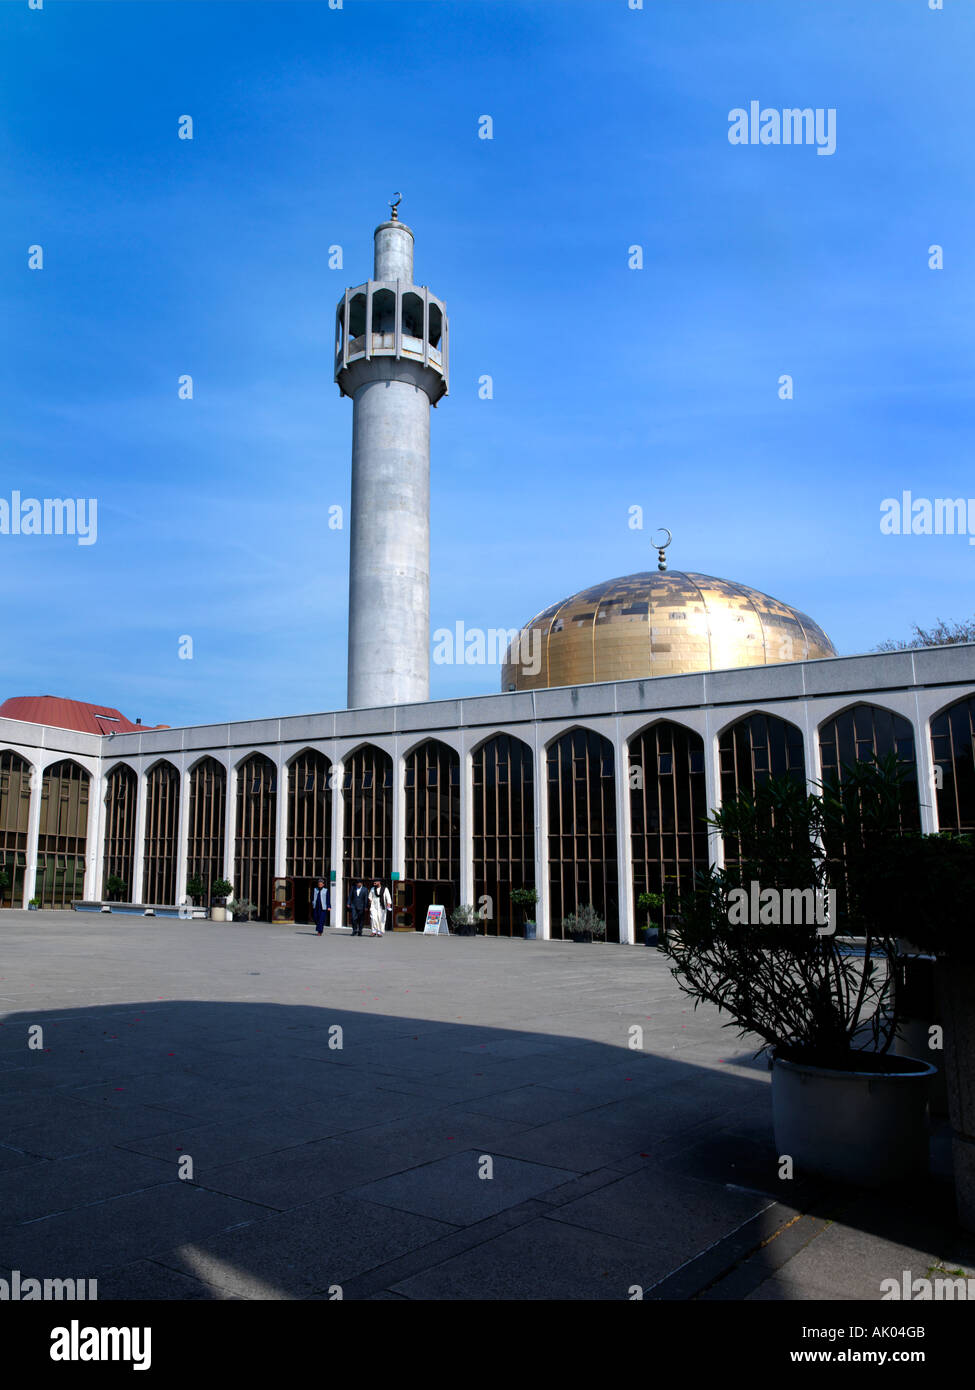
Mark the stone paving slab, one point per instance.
(316, 1166)
(445, 1190)
(305, 1251)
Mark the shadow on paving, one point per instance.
(423, 1160)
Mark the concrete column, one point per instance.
(281, 823)
(925, 772)
(389, 555)
(230, 829)
(712, 784)
(467, 831)
(140, 838)
(94, 856)
(184, 834)
(33, 829)
(623, 838)
(338, 821)
(393, 252)
(542, 907)
(399, 813)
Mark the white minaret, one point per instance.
(391, 358)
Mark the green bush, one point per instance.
(584, 919)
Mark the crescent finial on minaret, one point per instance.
(394, 205)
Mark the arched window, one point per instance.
(864, 733)
(436, 325)
(668, 811)
(582, 862)
(257, 801)
(413, 317)
(384, 313)
(367, 840)
(121, 806)
(504, 829)
(309, 816)
(207, 825)
(953, 752)
(756, 747)
(357, 321)
(14, 824)
(753, 749)
(63, 838)
(162, 834)
(432, 781)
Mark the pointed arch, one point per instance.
(503, 780)
(15, 800)
(206, 826)
(582, 864)
(367, 832)
(952, 732)
(668, 810)
(256, 833)
(121, 812)
(431, 780)
(309, 848)
(751, 749)
(161, 842)
(863, 732)
(756, 746)
(63, 838)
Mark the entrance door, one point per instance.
(282, 900)
(425, 892)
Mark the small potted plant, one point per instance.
(652, 904)
(115, 887)
(525, 900)
(244, 910)
(585, 925)
(464, 920)
(196, 888)
(222, 889)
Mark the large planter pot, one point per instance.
(865, 1127)
(914, 1040)
(218, 914)
(956, 992)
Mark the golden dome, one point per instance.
(658, 624)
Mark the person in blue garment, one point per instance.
(321, 903)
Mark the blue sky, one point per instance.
(612, 387)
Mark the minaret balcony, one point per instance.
(391, 319)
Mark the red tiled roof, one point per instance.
(70, 714)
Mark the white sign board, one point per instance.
(436, 923)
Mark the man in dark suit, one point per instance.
(357, 905)
(321, 902)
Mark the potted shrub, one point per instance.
(926, 887)
(4, 884)
(653, 905)
(196, 888)
(34, 905)
(244, 910)
(464, 920)
(116, 888)
(585, 924)
(221, 890)
(525, 899)
(844, 1105)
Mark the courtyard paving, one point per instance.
(231, 1111)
